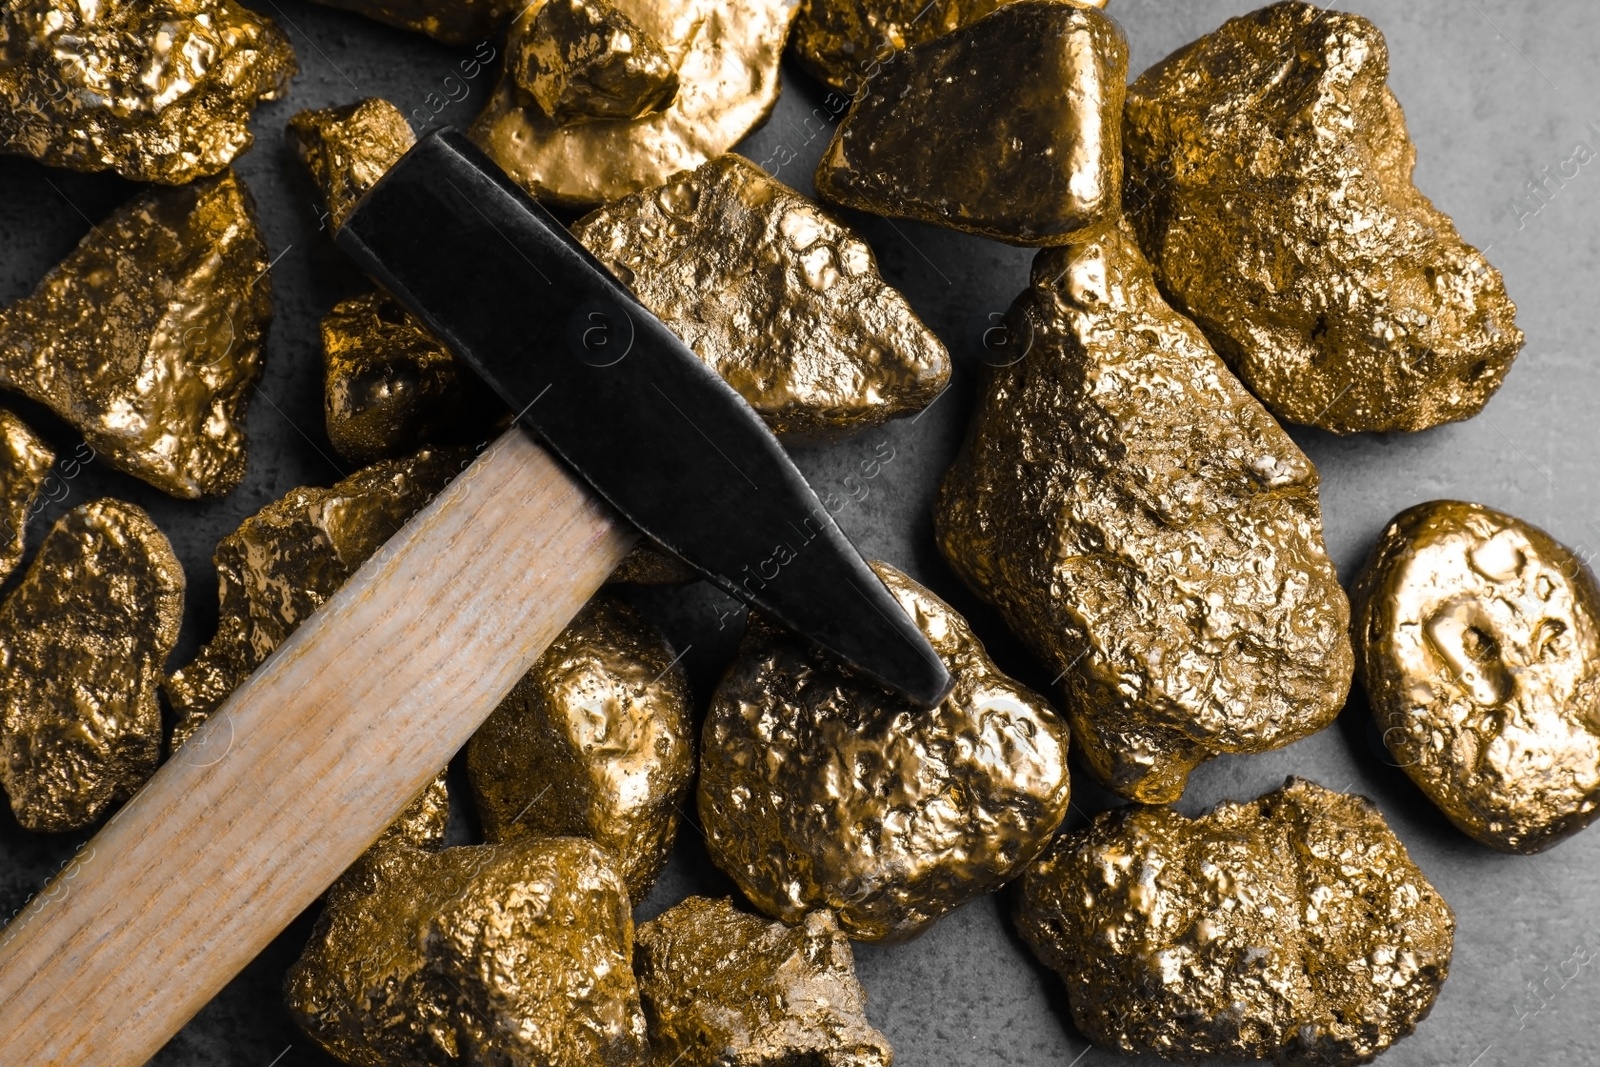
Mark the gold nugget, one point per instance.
(24, 465)
(157, 90)
(83, 640)
(1143, 524)
(721, 987)
(517, 953)
(726, 54)
(780, 298)
(1479, 647)
(594, 741)
(347, 149)
(148, 337)
(821, 790)
(949, 133)
(583, 60)
(457, 22)
(285, 560)
(1269, 177)
(1294, 928)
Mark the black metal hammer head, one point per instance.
(626, 403)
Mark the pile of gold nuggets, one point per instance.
(1231, 240)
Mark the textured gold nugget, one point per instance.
(347, 149)
(24, 465)
(1145, 526)
(517, 953)
(726, 54)
(594, 741)
(285, 560)
(820, 790)
(458, 22)
(784, 301)
(1294, 928)
(720, 987)
(148, 336)
(1479, 648)
(83, 640)
(583, 60)
(158, 90)
(949, 133)
(1270, 181)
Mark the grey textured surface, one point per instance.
(1495, 91)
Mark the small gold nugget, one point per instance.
(953, 132)
(83, 640)
(516, 953)
(726, 54)
(347, 149)
(1294, 928)
(721, 987)
(285, 560)
(583, 60)
(1269, 178)
(148, 336)
(24, 465)
(158, 90)
(594, 741)
(818, 789)
(457, 22)
(1479, 647)
(1145, 526)
(780, 298)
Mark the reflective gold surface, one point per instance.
(286, 559)
(820, 790)
(423, 823)
(83, 640)
(1144, 525)
(775, 294)
(1269, 177)
(148, 337)
(157, 90)
(582, 60)
(951, 132)
(24, 465)
(594, 741)
(516, 953)
(726, 54)
(458, 22)
(721, 987)
(347, 149)
(1293, 928)
(1479, 647)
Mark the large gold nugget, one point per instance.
(949, 133)
(347, 149)
(1479, 647)
(1146, 527)
(726, 54)
(819, 789)
(1269, 178)
(286, 559)
(149, 335)
(583, 60)
(457, 22)
(517, 953)
(24, 465)
(721, 987)
(594, 741)
(1294, 928)
(83, 640)
(784, 301)
(158, 90)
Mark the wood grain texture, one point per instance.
(305, 764)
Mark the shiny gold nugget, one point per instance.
(949, 133)
(1270, 181)
(157, 90)
(24, 466)
(457, 22)
(595, 741)
(347, 149)
(821, 790)
(517, 953)
(1294, 928)
(583, 60)
(1479, 646)
(720, 987)
(148, 336)
(726, 54)
(83, 641)
(1146, 527)
(784, 301)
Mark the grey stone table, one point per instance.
(1498, 93)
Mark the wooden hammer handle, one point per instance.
(305, 765)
